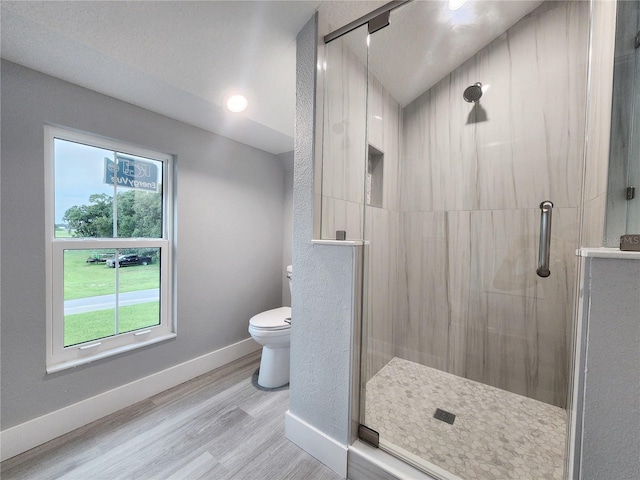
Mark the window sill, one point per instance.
(58, 367)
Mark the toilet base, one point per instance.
(274, 367)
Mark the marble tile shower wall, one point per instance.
(472, 189)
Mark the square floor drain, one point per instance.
(445, 416)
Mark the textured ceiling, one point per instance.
(180, 58)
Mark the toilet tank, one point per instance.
(289, 275)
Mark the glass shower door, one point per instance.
(475, 117)
(344, 133)
(633, 175)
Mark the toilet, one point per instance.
(272, 330)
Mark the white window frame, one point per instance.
(60, 357)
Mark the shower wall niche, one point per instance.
(375, 177)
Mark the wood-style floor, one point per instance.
(216, 426)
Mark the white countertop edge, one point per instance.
(349, 243)
(603, 252)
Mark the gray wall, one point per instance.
(230, 239)
(611, 415)
(322, 299)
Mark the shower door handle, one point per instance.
(545, 238)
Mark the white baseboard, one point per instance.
(324, 448)
(23, 437)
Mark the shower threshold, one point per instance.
(495, 435)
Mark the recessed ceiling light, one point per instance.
(237, 103)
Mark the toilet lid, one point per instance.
(272, 319)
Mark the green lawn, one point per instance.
(62, 233)
(84, 327)
(82, 279)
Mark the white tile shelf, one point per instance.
(347, 243)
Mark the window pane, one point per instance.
(139, 297)
(105, 296)
(86, 181)
(139, 197)
(89, 296)
(83, 201)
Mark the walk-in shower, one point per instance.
(469, 294)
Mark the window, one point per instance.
(109, 254)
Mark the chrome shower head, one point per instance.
(473, 93)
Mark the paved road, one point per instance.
(102, 302)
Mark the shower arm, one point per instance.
(545, 239)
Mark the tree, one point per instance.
(93, 220)
(139, 215)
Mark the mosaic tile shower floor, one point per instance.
(496, 435)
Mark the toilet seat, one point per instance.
(271, 320)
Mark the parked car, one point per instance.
(129, 259)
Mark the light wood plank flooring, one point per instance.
(216, 426)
